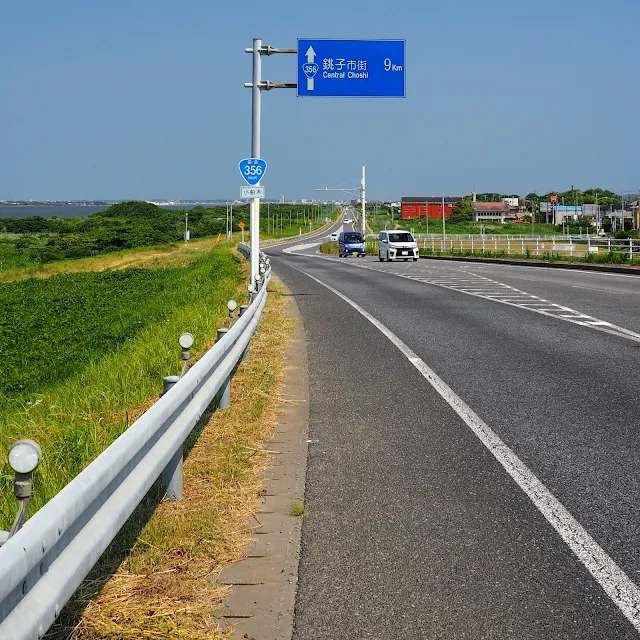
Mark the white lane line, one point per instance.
(577, 286)
(615, 582)
(548, 308)
(301, 247)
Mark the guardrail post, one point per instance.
(172, 473)
(224, 395)
(172, 476)
(245, 355)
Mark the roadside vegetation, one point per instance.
(331, 248)
(30, 243)
(84, 354)
(377, 223)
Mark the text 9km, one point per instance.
(390, 66)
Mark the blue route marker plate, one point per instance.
(252, 170)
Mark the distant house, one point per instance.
(490, 212)
(418, 206)
(512, 202)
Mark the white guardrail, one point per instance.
(43, 564)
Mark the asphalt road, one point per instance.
(415, 529)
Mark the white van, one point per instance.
(396, 245)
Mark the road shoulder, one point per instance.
(261, 601)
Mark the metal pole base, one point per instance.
(168, 382)
(224, 395)
(172, 477)
(245, 355)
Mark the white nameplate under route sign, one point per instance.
(252, 192)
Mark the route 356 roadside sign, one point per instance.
(252, 170)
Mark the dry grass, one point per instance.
(169, 255)
(164, 564)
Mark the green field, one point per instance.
(378, 222)
(84, 353)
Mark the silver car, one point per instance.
(397, 245)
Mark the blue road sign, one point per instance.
(252, 170)
(351, 68)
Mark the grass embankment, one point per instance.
(331, 248)
(164, 583)
(34, 241)
(176, 254)
(84, 354)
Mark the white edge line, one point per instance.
(615, 582)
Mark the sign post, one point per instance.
(256, 86)
(241, 225)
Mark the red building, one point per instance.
(416, 207)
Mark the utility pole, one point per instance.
(533, 212)
(362, 197)
(444, 233)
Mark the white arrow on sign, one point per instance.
(311, 54)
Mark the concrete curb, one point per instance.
(261, 603)
(584, 266)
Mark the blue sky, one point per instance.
(146, 99)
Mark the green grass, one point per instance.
(330, 248)
(298, 509)
(377, 223)
(83, 354)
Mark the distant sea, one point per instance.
(69, 211)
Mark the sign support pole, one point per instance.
(254, 217)
(256, 86)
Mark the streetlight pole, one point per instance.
(353, 192)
